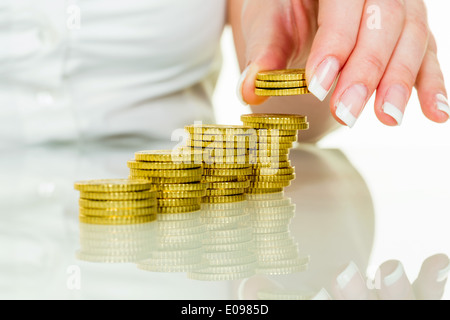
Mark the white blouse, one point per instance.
(90, 69)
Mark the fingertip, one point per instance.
(435, 107)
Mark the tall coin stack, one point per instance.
(116, 202)
(177, 178)
(225, 157)
(276, 134)
(276, 251)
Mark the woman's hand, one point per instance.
(382, 45)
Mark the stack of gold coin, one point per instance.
(225, 157)
(116, 202)
(177, 177)
(276, 134)
(289, 82)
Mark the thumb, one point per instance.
(268, 46)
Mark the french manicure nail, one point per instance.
(324, 77)
(351, 104)
(395, 102)
(392, 278)
(443, 274)
(347, 275)
(240, 86)
(442, 104)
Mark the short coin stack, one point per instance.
(116, 202)
(276, 134)
(281, 83)
(225, 156)
(177, 178)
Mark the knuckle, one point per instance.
(406, 72)
(374, 63)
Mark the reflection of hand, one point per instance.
(391, 282)
(378, 45)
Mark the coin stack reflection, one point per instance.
(228, 251)
(178, 243)
(276, 250)
(177, 178)
(116, 243)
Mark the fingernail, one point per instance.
(443, 274)
(392, 278)
(347, 275)
(324, 77)
(395, 102)
(322, 295)
(442, 104)
(240, 85)
(351, 104)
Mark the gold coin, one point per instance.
(274, 146)
(166, 173)
(282, 75)
(170, 180)
(218, 129)
(301, 126)
(275, 133)
(119, 220)
(117, 212)
(172, 156)
(229, 185)
(275, 178)
(281, 92)
(262, 159)
(198, 186)
(181, 209)
(113, 185)
(220, 144)
(264, 190)
(224, 199)
(118, 196)
(228, 172)
(280, 84)
(268, 153)
(97, 204)
(224, 192)
(223, 138)
(275, 165)
(181, 194)
(273, 118)
(227, 166)
(178, 202)
(273, 171)
(132, 164)
(269, 185)
(277, 139)
(213, 179)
